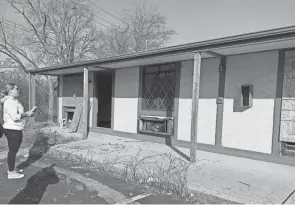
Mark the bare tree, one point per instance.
(143, 28)
(58, 32)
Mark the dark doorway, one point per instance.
(104, 98)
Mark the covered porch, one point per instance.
(280, 39)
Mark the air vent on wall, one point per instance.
(288, 148)
(156, 125)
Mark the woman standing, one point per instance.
(13, 117)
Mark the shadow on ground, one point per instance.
(36, 186)
(37, 151)
(168, 142)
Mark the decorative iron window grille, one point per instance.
(159, 87)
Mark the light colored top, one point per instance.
(12, 110)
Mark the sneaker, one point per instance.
(14, 175)
(19, 170)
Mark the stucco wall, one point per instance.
(73, 84)
(126, 99)
(207, 102)
(246, 129)
(250, 129)
(71, 93)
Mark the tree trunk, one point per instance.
(51, 100)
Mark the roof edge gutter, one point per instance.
(204, 46)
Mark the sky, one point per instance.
(198, 20)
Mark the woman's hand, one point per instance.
(30, 113)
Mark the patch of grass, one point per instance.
(39, 131)
(164, 173)
(160, 171)
(39, 137)
(44, 131)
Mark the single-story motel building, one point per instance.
(232, 95)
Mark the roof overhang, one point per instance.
(276, 39)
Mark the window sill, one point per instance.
(247, 107)
(154, 133)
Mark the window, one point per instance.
(159, 87)
(246, 95)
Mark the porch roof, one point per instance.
(274, 39)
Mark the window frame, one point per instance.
(171, 115)
(250, 100)
(172, 69)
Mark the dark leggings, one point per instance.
(14, 138)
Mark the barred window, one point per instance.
(159, 87)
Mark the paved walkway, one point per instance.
(51, 181)
(232, 178)
(69, 182)
(46, 186)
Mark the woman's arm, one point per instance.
(24, 115)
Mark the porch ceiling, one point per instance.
(133, 60)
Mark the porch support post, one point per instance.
(220, 102)
(195, 106)
(85, 104)
(32, 97)
(60, 99)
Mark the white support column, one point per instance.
(85, 104)
(195, 106)
(91, 97)
(60, 99)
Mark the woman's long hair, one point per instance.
(7, 88)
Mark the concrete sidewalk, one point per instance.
(232, 178)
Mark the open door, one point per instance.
(104, 98)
